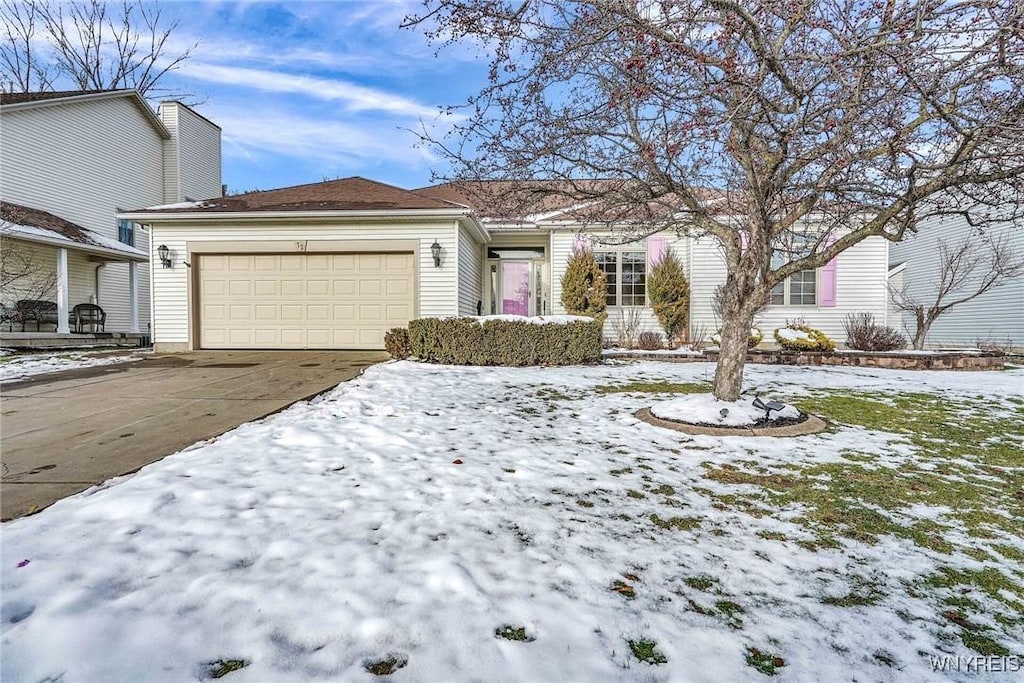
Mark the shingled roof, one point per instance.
(584, 200)
(24, 222)
(345, 194)
(19, 97)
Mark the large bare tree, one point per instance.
(88, 45)
(967, 269)
(792, 129)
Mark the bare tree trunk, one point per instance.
(921, 331)
(732, 356)
(738, 309)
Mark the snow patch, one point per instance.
(20, 366)
(706, 409)
(535, 319)
(619, 351)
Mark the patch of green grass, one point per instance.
(635, 494)
(702, 582)
(552, 394)
(584, 503)
(222, 667)
(732, 611)
(989, 580)
(856, 598)
(386, 665)
(516, 633)
(982, 644)
(646, 651)
(764, 662)
(675, 523)
(772, 535)
(655, 388)
(1009, 552)
(664, 490)
(624, 470)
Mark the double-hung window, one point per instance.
(126, 232)
(800, 288)
(625, 275)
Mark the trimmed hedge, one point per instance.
(465, 341)
(396, 342)
(815, 340)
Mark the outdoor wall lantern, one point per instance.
(165, 256)
(435, 251)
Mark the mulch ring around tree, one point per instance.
(810, 425)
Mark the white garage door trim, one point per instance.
(302, 300)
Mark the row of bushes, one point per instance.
(862, 333)
(467, 341)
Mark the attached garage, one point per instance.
(303, 301)
(330, 265)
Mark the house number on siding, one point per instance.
(300, 246)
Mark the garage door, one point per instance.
(303, 301)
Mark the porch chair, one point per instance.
(88, 314)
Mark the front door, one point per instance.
(515, 287)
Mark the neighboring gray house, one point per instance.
(335, 264)
(70, 162)
(996, 317)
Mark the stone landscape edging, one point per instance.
(892, 361)
(812, 425)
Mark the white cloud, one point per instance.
(328, 143)
(355, 98)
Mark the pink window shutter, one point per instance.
(655, 251)
(827, 281)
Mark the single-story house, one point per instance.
(335, 264)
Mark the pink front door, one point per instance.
(515, 287)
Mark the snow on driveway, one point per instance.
(415, 510)
(22, 365)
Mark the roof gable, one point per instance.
(345, 194)
(21, 101)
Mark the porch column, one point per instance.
(62, 292)
(133, 298)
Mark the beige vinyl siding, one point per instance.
(562, 242)
(470, 272)
(82, 161)
(85, 162)
(997, 315)
(172, 187)
(861, 285)
(113, 295)
(437, 288)
(894, 314)
(192, 166)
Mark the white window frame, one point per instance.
(787, 290)
(618, 275)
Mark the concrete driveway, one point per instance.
(67, 431)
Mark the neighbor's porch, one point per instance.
(57, 274)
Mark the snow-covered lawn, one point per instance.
(522, 525)
(21, 365)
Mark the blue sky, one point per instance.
(308, 91)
